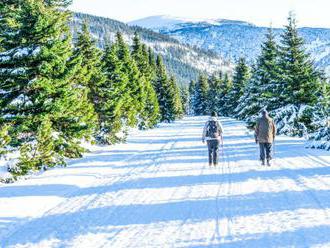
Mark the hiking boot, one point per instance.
(262, 162)
(268, 163)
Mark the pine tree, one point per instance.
(300, 81)
(185, 99)
(113, 114)
(201, 96)
(214, 94)
(135, 102)
(261, 90)
(192, 97)
(166, 93)
(226, 86)
(299, 85)
(150, 114)
(90, 76)
(240, 80)
(177, 107)
(37, 79)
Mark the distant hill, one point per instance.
(182, 60)
(233, 39)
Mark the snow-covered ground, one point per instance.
(158, 191)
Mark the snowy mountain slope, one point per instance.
(159, 22)
(181, 60)
(232, 39)
(158, 191)
(163, 23)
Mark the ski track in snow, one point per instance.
(158, 191)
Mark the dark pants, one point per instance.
(213, 146)
(265, 151)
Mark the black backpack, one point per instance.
(212, 130)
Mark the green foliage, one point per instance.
(54, 95)
(261, 92)
(38, 81)
(201, 101)
(175, 95)
(240, 80)
(285, 82)
(185, 99)
(168, 93)
(4, 139)
(149, 116)
(300, 82)
(40, 153)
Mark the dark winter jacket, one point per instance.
(265, 130)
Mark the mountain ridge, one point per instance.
(184, 61)
(234, 39)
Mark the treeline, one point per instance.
(283, 81)
(54, 94)
(182, 61)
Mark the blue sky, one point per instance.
(315, 13)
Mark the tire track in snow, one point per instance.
(158, 161)
(75, 203)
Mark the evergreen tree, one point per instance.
(261, 91)
(240, 80)
(150, 114)
(226, 86)
(192, 97)
(152, 61)
(177, 107)
(185, 99)
(201, 96)
(90, 76)
(165, 92)
(37, 82)
(299, 85)
(113, 114)
(135, 102)
(214, 94)
(300, 81)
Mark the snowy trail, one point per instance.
(158, 191)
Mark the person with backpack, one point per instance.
(212, 134)
(265, 133)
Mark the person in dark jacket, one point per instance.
(212, 134)
(265, 133)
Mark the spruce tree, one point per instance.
(165, 92)
(91, 76)
(177, 106)
(185, 99)
(240, 80)
(261, 91)
(113, 114)
(201, 96)
(37, 82)
(150, 114)
(300, 81)
(214, 94)
(192, 97)
(226, 85)
(299, 85)
(135, 102)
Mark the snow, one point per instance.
(158, 191)
(171, 23)
(16, 71)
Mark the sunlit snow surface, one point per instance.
(158, 191)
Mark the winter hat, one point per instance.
(264, 112)
(214, 114)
